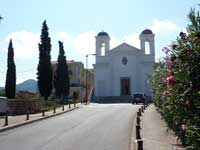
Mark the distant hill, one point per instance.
(28, 85)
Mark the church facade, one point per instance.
(125, 69)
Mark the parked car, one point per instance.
(3, 106)
(138, 98)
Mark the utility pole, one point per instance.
(86, 78)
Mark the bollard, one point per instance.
(43, 112)
(54, 110)
(138, 132)
(6, 119)
(142, 108)
(140, 112)
(138, 121)
(63, 107)
(27, 115)
(140, 144)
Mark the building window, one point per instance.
(124, 60)
(147, 47)
(102, 49)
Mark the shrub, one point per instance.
(176, 86)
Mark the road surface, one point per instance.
(91, 127)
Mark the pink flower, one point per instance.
(184, 127)
(166, 50)
(170, 80)
(163, 79)
(188, 102)
(170, 72)
(169, 62)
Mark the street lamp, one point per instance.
(86, 82)
(1, 18)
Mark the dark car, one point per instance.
(138, 98)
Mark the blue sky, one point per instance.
(76, 22)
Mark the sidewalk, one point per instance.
(15, 121)
(154, 132)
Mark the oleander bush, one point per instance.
(176, 84)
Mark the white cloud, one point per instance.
(25, 43)
(159, 27)
(85, 42)
(63, 36)
(163, 26)
(113, 41)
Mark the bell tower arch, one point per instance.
(102, 44)
(147, 42)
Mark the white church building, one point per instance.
(125, 69)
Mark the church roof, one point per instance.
(102, 33)
(125, 47)
(147, 31)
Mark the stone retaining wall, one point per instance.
(19, 107)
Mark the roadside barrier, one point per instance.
(27, 114)
(139, 140)
(43, 110)
(6, 119)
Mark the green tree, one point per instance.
(44, 74)
(10, 86)
(61, 81)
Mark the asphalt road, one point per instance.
(92, 127)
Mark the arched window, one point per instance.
(147, 48)
(102, 49)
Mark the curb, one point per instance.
(12, 126)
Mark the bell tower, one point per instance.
(147, 39)
(102, 44)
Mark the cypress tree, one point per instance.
(10, 86)
(61, 81)
(44, 74)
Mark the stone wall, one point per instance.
(19, 107)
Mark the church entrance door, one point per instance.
(125, 86)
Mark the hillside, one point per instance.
(28, 85)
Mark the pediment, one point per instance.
(125, 48)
